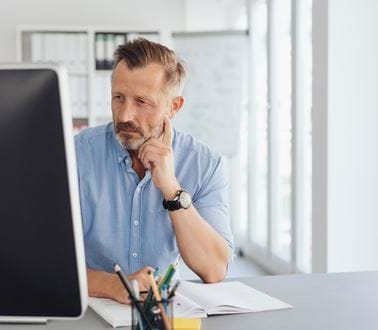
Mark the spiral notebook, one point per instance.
(198, 300)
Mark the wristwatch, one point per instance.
(182, 200)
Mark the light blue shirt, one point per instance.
(123, 217)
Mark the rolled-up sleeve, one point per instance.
(211, 201)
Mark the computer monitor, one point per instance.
(42, 263)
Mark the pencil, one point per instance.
(158, 299)
(168, 275)
(133, 299)
(166, 280)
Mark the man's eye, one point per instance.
(140, 101)
(117, 97)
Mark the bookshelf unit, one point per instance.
(87, 52)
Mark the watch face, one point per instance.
(185, 199)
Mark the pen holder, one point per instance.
(157, 320)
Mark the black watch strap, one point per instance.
(172, 205)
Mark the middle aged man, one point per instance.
(129, 167)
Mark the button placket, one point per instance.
(136, 213)
(135, 230)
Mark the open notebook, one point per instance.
(197, 300)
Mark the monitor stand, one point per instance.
(23, 320)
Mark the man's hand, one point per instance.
(156, 154)
(142, 277)
(107, 285)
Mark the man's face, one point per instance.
(139, 103)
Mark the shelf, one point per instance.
(78, 74)
(76, 47)
(102, 73)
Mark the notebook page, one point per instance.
(229, 298)
(114, 313)
(185, 308)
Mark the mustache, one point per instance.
(129, 125)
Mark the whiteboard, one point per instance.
(217, 72)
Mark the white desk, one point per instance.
(347, 301)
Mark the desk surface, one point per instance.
(321, 301)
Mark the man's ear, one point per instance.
(176, 105)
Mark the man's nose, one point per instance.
(127, 112)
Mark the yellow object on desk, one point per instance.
(187, 324)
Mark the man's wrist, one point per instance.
(100, 284)
(170, 191)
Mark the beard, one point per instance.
(132, 137)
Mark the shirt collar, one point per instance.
(121, 152)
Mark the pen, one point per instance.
(127, 286)
(135, 286)
(173, 290)
(164, 296)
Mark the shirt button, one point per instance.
(127, 161)
(135, 255)
(136, 222)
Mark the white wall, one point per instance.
(164, 15)
(353, 134)
(350, 191)
(212, 15)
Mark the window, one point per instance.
(258, 128)
(280, 127)
(279, 135)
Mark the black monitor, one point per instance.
(42, 264)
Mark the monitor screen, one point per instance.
(39, 272)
